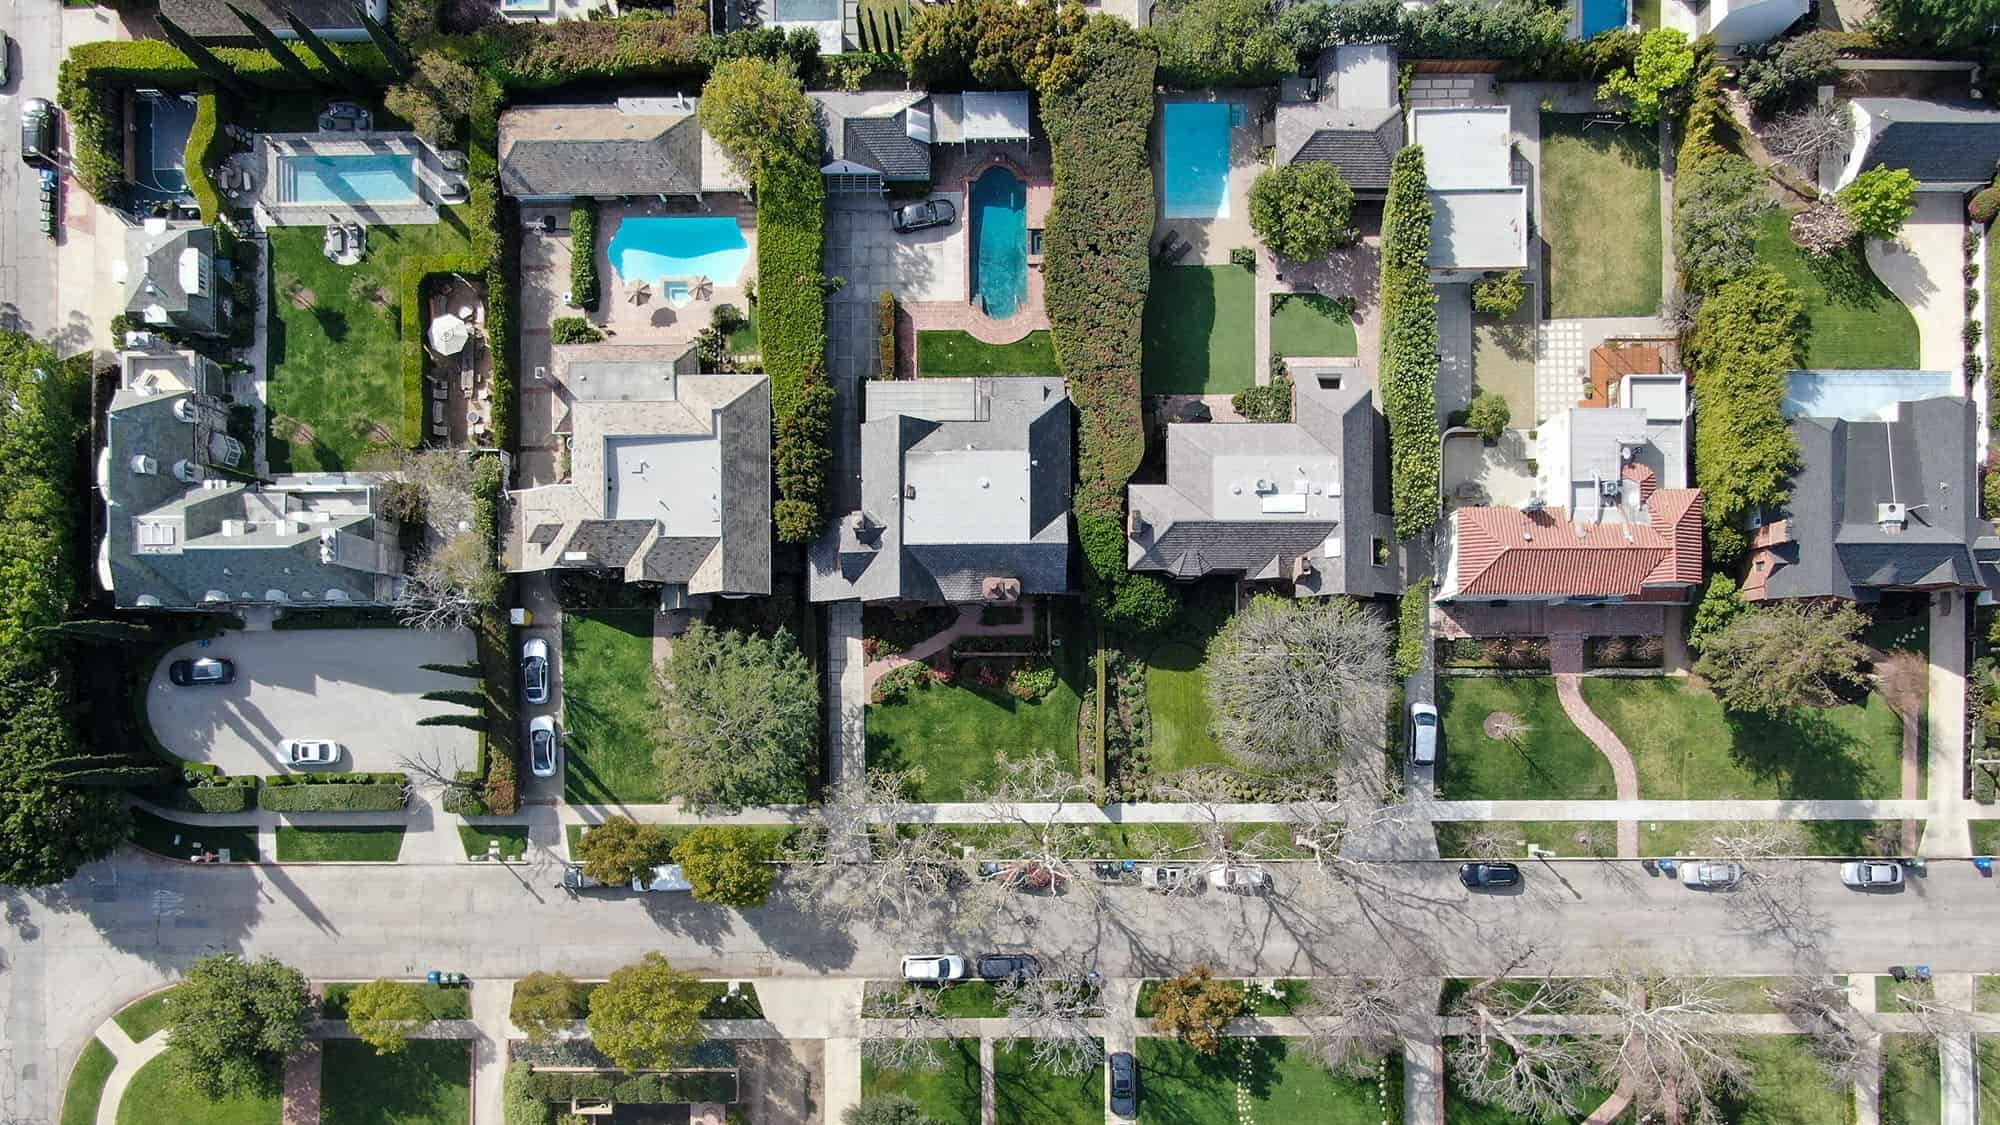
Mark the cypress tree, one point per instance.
(398, 61)
(335, 65)
(203, 59)
(275, 47)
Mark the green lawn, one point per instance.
(373, 844)
(513, 839)
(174, 840)
(1462, 1110)
(951, 352)
(336, 359)
(1176, 694)
(86, 1084)
(155, 1098)
(1024, 1094)
(1554, 759)
(1503, 361)
(1656, 837)
(1309, 324)
(1200, 331)
(1111, 841)
(1989, 1080)
(949, 1095)
(744, 341)
(1256, 1082)
(1854, 320)
(608, 709)
(428, 1082)
(440, 1003)
(1687, 747)
(142, 1018)
(1601, 217)
(1911, 1083)
(1291, 996)
(1790, 1087)
(1986, 837)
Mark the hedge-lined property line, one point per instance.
(583, 253)
(791, 311)
(1410, 347)
(204, 138)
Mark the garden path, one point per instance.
(131, 1057)
(1569, 689)
(301, 1089)
(967, 625)
(847, 686)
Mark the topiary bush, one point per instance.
(1499, 293)
(1985, 205)
(885, 333)
(1271, 402)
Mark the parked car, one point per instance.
(1872, 875)
(933, 968)
(1008, 966)
(311, 751)
(574, 879)
(1021, 876)
(38, 131)
(542, 746)
(1124, 1084)
(929, 213)
(6, 49)
(1166, 878)
(1423, 734)
(665, 878)
(207, 670)
(535, 671)
(1480, 876)
(1242, 878)
(1711, 876)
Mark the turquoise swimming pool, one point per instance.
(356, 178)
(998, 206)
(1196, 159)
(654, 249)
(1594, 17)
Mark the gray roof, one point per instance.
(1353, 123)
(212, 19)
(155, 278)
(1233, 502)
(881, 130)
(882, 143)
(1939, 142)
(1922, 460)
(570, 151)
(1362, 155)
(962, 480)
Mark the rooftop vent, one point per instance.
(1892, 517)
(145, 466)
(1264, 485)
(909, 492)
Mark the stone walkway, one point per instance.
(1569, 689)
(847, 693)
(131, 1057)
(967, 625)
(302, 1085)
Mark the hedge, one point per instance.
(885, 333)
(1410, 347)
(1742, 352)
(335, 792)
(791, 310)
(643, 44)
(632, 1089)
(223, 795)
(518, 1105)
(205, 143)
(1412, 618)
(583, 254)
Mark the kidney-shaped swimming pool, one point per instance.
(653, 249)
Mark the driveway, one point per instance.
(1924, 267)
(360, 687)
(925, 265)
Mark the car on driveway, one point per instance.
(535, 671)
(1240, 878)
(1167, 878)
(1482, 876)
(38, 131)
(311, 751)
(207, 670)
(919, 216)
(1124, 1084)
(1008, 967)
(1423, 734)
(1873, 875)
(933, 968)
(542, 746)
(1711, 876)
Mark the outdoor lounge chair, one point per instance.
(335, 244)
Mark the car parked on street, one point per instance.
(1872, 875)
(1483, 876)
(207, 670)
(1423, 734)
(668, 878)
(1022, 876)
(1167, 878)
(1240, 878)
(933, 968)
(1124, 1084)
(1711, 876)
(542, 746)
(311, 751)
(919, 216)
(38, 131)
(1008, 967)
(535, 671)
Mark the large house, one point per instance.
(1949, 146)
(630, 147)
(877, 138)
(336, 21)
(174, 280)
(670, 475)
(188, 527)
(965, 491)
(1302, 502)
(1479, 215)
(1344, 115)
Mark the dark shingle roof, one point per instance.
(1362, 155)
(884, 144)
(1939, 142)
(160, 257)
(611, 153)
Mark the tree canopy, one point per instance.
(1222, 43)
(1296, 685)
(996, 44)
(742, 718)
(232, 1023)
(1948, 25)
(757, 110)
(1303, 212)
(545, 1003)
(621, 849)
(647, 1014)
(1656, 77)
(1744, 348)
(886, 1109)
(727, 865)
(384, 1013)
(1880, 200)
(1774, 658)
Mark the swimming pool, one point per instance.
(1196, 159)
(654, 249)
(1597, 16)
(361, 178)
(998, 209)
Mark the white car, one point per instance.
(1167, 878)
(535, 671)
(542, 746)
(311, 751)
(665, 878)
(1242, 878)
(1718, 876)
(1872, 875)
(1423, 734)
(934, 968)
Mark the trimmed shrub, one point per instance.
(582, 255)
(1489, 415)
(1880, 200)
(573, 330)
(227, 794)
(1410, 347)
(1302, 212)
(519, 1104)
(1985, 206)
(643, 44)
(1271, 402)
(205, 144)
(353, 792)
(1499, 294)
(1412, 614)
(885, 333)
(1744, 348)
(1032, 684)
(791, 233)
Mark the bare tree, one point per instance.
(1668, 1048)
(1219, 841)
(1505, 1060)
(902, 1028)
(432, 598)
(1028, 802)
(1051, 1009)
(1824, 229)
(429, 771)
(1299, 686)
(862, 854)
(1356, 1022)
(1773, 896)
(1800, 137)
(1835, 1033)
(1919, 998)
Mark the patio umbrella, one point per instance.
(449, 334)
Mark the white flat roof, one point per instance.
(966, 496)
(1463, 147)
(675, 479)
(1366, 76)
(1479, 229)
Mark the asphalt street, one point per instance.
(27, 256)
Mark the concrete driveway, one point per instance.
(362, 688)
(1924, 267)
(927, 265)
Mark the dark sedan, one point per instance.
(1124, 1084)
(1482, 876)
(929, 213)
(1008, 967)
(207, 670)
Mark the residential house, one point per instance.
(1949, 146)
(669, 475)
(877, 138)
(629, 147)
(174, 281)
(1344, 115)
(187, 525)
(1479, 215)
(965, 492)
(333, 20)
(1303, 502)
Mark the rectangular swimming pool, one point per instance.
(654, 249)
(357, 178)
(1595, 17)
(1195, 157)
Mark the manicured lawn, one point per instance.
(972, 1000)
(142, 1018)
(86, 1084)
(1855, 321)
(1554, 759)
(1686, 746)
(1790, 1087)
(942, 352)
(164, 837)
(155, 1098)
(1200, 335)
(1024, 1094)
(336, 378)
(1989, 1079)
(1256, 1082)
(1911, 1082)
(1986, 837)
(1656, 837)
(1503, 361)
(373, 844)
(947, 1095)
(428, 1082)
(513, 839)
(1601, 217)
(1113, 841)
(608, 709)
(1309, 324)
(1176, 691)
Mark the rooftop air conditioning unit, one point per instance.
(1264, 485)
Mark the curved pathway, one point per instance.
(1569, 689)
(967, 625)
(131, 1057)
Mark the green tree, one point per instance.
(758, 112)
(1499, 294)
(436, 98)
(1194, 1007)
(1880, 201)
(280, 53)
(204, 60)
(996, 44)
(1141, 604)
(1775, 658)
(647, 1015)
(545, 1003)
(1303, 212)
(384, 1013)
(620, 849)
(232, 1023)
(49, 827)
(742, 716)
(1489, 415)
(1937, 25)
(728, 866)
(1744, 347)
(886, 1109)
(399, 63)
(1720, 604)
(1409, 366)
(1786, 72)
(1297, 686)
(1222, 43)
(1716, 207)
(1656, 77)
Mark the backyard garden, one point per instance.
(1601, 217)
(1853, 320)
(1311, 324)
(1199, 334)
(945, 352)
(609, 714)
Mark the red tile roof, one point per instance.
(1506, 551)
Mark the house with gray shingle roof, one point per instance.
(670, 474)
(332, 20)
(1345, 115)
(1304, 502)
(965, 489)
(633, 146)
(173, 279)
(874, 138)
(188, 527)
(1949, 146)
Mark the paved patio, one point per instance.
(636, 310)
(1213, 239)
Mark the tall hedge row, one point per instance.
(583, 253)
(1744, 347)
(791, 310)
(205, 143)
(1410, 346)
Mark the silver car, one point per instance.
(1872, 875)
(1711, 876)
(535, 671)
(1167, 878)
(933, 968)
(542, 746)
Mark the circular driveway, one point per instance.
(362, 688)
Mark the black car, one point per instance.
(207, 670)
(38, 131)
(929, 213)
(1008, 966)
(1124, 1084)
(1480, 876)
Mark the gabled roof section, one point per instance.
(631, 147)
(884, 132)
(171, 278)
(1508, 552)
(1940, 142)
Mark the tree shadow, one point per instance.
(1806, 754)
(1845, 277)
(331, 321)
(799, 937)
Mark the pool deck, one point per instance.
(650, 319)
(1213, 239)
(436, 183)
(956, 170)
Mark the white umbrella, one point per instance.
(449, 334)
